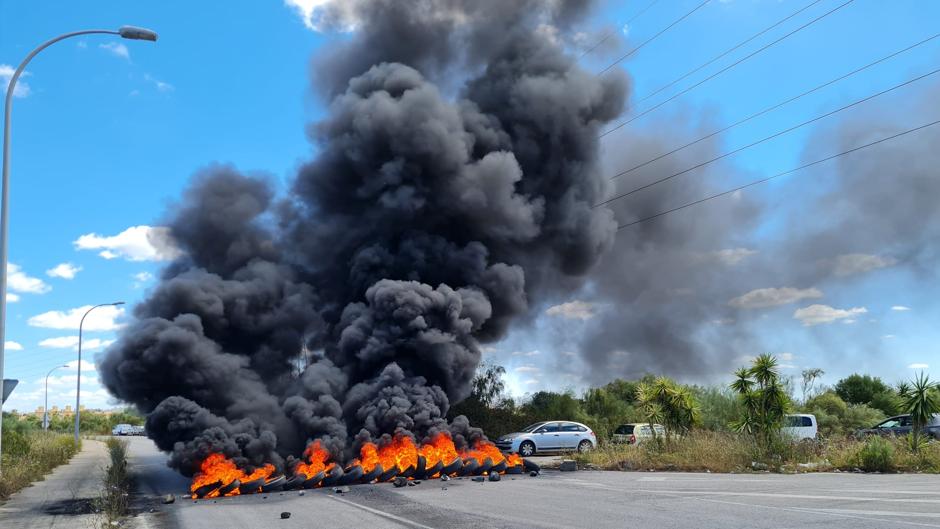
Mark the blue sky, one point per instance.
(108, 133)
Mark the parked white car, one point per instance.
(800, 426)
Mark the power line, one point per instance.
(767, 138)
(610, 33)
(776, 106)
(762, 180)
(726, 68)
(729, 50)
(654, 37)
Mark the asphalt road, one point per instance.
(569, 500)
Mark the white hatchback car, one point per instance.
(549, 436)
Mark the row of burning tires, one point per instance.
(354, 474)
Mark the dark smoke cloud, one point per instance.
(662, 293)
(424, 226)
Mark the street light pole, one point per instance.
(45, 407)
(78, 383)
(126, 32)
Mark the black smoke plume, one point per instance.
(437, 208)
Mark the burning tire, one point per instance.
(452, 468)
(350, 475)
(274, 485)
(314, 481)
(388, 474)
(373, 474)
(251, 487)
(333, 476)
(205, 490)
(226, 490)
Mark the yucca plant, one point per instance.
(762, 397)
(921, 402)
(665, 401)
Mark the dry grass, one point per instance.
(702, 451)
(115, 497)
(29, 456)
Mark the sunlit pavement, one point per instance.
(569, 500)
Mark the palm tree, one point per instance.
(762, 396)
(921, 403)
(664, 401)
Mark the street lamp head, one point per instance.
(116, 303)
(135, 33)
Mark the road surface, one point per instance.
(63, 499)
(569, 500)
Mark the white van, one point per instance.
(800, 426)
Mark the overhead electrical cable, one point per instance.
(767, 138)
(776, 106)
(725, 69)
(610, 33)
(729, 50)
(771, 177)
(654, 37)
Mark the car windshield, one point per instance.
(532, 427)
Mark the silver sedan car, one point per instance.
(549, 436)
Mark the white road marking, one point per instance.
(813, 511)
(875, 491)
(789, 496)
(880, 513)
(383, 514)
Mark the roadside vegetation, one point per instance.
(29, 454)
(735, 428)
(115, 496)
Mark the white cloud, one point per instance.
(918, 366)
(315, 16)
(10, 345)
(818, 314)
(525, 353)
(137, 243)
(723, 321)
(859, 263)
(580, 310)
(64, 271)
(12, 298)
(772, 297)
(732, 256)
(626, 30)
(786, 357)
(530, 381)
(143, 276)
(160, 85)
(6, 73)
(900, 308)
(889, 336)
(81, 44)
(527, 369)
(71, 342)
(100, 319)
(86, 365)
(21, 282)
(118, 49)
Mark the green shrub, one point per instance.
(877, 455)
(29, 456)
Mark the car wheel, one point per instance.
(584, 446)
(527, 448)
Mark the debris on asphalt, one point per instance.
(301, 493)
(169, 498)
(417, 482)
(479, 479)
(445, 477)
(568, 465)
(285, 515)
(494, 477)
(341, 490)
(400, 482)
(534, 473)
(411, 483)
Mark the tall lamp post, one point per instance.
(78, 383)
(45, 407)
(126, 32)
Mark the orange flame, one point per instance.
(482, 450)
(316, 459)
(219, 468)
(400, 451)
(440, 449)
